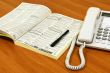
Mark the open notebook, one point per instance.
(35, 27)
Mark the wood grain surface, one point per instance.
(15, 59)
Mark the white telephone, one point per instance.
(95, 32)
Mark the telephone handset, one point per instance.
(87, 31)
(95, 32)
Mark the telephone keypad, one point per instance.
(103, 34)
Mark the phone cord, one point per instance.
(82, 64)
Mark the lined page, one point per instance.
(50, 29)
(23, 19)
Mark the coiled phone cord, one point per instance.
(80, 54)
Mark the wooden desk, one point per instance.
(14, 59)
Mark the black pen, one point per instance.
(57, 40)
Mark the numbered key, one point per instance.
(98, 37)
(104, 35)
(103, 38)
(106, 29)
(99, 34)
(99, 31)
(105, 32)
(100, 28)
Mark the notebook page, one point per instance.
(23, 18)
(50, 29)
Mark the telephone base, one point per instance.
(97, 45)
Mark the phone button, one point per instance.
(105, 32)
(104, 38)
(108, 39)
(99, 31)
(99, 34)
(104, 35)
(106, 29)
(100, 28)
(98, 37)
